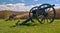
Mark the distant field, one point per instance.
(38, 28)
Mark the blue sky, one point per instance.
(25, 5)
(29, 2)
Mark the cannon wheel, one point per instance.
(31, 14)
(50, 16)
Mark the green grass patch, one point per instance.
(5, 27)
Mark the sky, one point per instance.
(25, 5)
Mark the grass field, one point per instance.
(5, 27)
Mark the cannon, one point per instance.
(11, 17)
(43, 13)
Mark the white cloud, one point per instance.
(15, 7)
(20, 7)
(57, 5)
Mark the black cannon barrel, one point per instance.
(53, 5)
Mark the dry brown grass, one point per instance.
(23, 15)
(26, 15)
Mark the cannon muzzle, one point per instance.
(52, 5)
